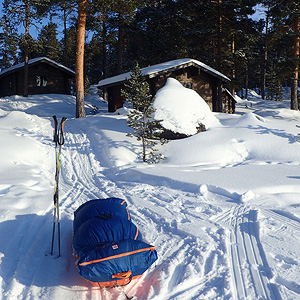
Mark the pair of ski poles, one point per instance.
(59, 140)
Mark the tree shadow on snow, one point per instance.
(277, 132)
(25, 253)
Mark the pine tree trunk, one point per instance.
(80, 109)
(66, 58)
(220, 33)
(265, 60)
(104, 44)
(295, 79)
(26, 51)
(120, 44)
(246, 80)
(234, 64)
(143, 136)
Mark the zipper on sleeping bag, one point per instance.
(116, 256)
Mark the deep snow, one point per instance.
(223, 209)
(181, 109)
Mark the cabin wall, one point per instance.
(207, 86)
(189, 77)
(42, 79)
(115, 99)
(9, 85)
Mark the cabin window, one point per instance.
(41, 80)
(10, 85)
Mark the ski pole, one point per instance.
(59, 140)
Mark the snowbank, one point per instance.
(181, 109)
(222, 210)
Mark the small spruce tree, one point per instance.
(140, 119)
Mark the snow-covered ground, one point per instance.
(223, 209)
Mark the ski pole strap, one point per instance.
(61, 138)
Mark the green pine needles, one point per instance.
(140, 118)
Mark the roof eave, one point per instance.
(223, 78)
(42, 60)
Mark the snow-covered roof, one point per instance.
(33, 61)
(152, 71)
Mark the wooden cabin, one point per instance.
(45, 76)
(206, 81)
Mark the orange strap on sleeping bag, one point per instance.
(122, 275)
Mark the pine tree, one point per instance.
(80, 108)
(274, 86)
(271, 83)
(286, 25)
(25, 12)
(140, 119)
(8, 42)
(48, 43)
(65, 10)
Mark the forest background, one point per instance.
(257, 53)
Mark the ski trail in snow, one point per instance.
(192, 252)
(249, 269)
(188, 255)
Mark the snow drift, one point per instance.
(182, 110)
(222, 210)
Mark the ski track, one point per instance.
(224, 261)
(250, 272)
(85, 177)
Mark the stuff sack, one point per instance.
(108, 245)
(96, 207)
(116, 263)
(103, 229)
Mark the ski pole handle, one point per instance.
(55, 137)
(61, 139)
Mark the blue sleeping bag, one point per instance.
(110, 247)
(92, 208)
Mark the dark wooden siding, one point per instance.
(115, 99)
(209, 87)
(192, 78)
(57, 81)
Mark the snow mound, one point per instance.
(181, 109)
(250, 119)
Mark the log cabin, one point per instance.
(45, 76)
(191, 73)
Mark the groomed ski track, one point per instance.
(223, 261)
(249, 269)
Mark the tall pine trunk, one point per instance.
(104, 44)
(295, 79)
(80, 110)
(220, 35)
(66, 58)
(234, 63)
(26, 51)
(120, 44)
(265, 59)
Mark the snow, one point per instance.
(222, 210)
(182, 110)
